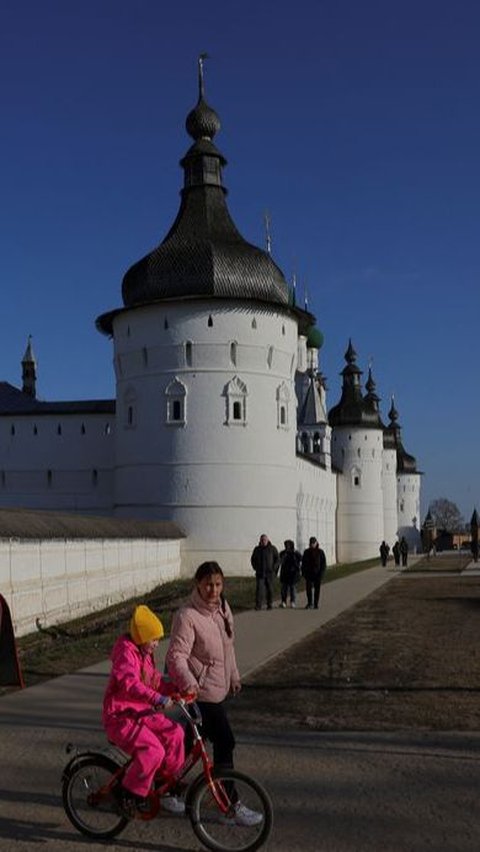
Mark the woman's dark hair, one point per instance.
(210, 569)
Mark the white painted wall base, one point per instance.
(57, 581)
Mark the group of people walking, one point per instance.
(200, 662)
(290, 565)
(399, 550)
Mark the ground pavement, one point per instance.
(344, 792)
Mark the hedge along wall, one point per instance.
(58, 580)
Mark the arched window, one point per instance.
(59, 429)
(317, 443)
(233, 353)
(49, 478)
(82, 429)
(35, 430)
(176, 397)
(94, 477)
(188, 353)
(12, 429)
(356, 475)
(210, 321)
(254, 323)
(145, 356)
(270, 356)
(165, 323)
(305, 446)
(235, 393)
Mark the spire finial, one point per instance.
(201, 81)
(268, 235)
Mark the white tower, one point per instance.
(389, 467)
(357, 450)
(408, 486)
(205, 358)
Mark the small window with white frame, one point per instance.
(283, 399)
(356, 477)
(176, 397)
(236, 394)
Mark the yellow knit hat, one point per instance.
(144, 625)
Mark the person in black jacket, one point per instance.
(264, 562)
(290, 560)
(314, 565)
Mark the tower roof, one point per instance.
(352, 410)
(393, 438)
(203, 254)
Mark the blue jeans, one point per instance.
(288, 589)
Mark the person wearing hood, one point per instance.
(201, 661)
(154, 742)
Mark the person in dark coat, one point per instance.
(384, 551)
(396, 552)
(264, 561)
(290, 561)
(314, 565)
(404, 551)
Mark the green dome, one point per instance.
(314, 338)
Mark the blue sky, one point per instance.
(356, 125)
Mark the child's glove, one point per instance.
(162, 702)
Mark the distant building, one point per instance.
(220, 421)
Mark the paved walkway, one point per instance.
(343, 780)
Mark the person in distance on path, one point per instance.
(314, 565)
(290, 560)
(264, 561)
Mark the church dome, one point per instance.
(315, 338)
(204, 255)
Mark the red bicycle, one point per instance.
(216, 802)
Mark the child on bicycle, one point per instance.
(153, 741)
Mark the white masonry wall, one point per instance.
(62, 463)
(56, 581)
(389, 486)
(223, 481)
(358, 454)
(316, 507)
(408, 495)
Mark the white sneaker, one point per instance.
(245, 816)
(283, 605)
(293, 605)
(172, 805)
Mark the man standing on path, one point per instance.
(264, 561)
(314, 565)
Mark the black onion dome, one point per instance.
(352, 410)
(204, 254)
(202, 121)
(392, 439)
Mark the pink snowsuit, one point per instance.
(153, 742)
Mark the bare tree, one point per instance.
(446, 515)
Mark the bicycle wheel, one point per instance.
(245, 821)
(92, 811)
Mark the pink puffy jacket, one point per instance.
(201, 654)
(134, 682)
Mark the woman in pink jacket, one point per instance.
(153, 741)
(201, 660)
